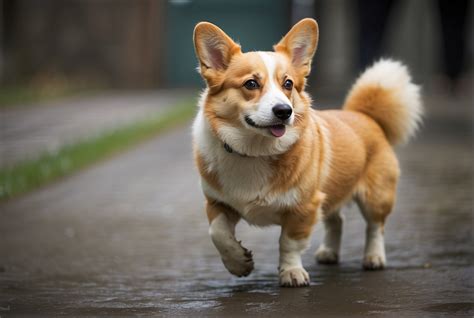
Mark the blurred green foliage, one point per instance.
(28, 175)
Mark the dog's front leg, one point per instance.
(297, 226)
(222, 219)
(292, 273)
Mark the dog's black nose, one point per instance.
(282, 111)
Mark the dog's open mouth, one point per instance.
(276, 130)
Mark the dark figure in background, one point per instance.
(453, 17)
(373, 17)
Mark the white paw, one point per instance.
(374, 262)
(294, 277)
(239, 263)
(325, 255)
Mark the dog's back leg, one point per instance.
(376, 197)
(328, 251)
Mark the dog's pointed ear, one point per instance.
(300, 44)
(214, 49)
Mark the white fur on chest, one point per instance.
(245, 181)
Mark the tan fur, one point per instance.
(301, 61)
(355, 139)
(357, 143)
(209, 176)
(225, 104)
(214, 208)
(298, 222)
(339, 155)
(386, 94)
(385, 110)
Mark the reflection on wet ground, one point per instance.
(129, 237)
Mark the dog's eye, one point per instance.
(251, 84)
(288, 84)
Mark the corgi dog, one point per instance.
(265, 156)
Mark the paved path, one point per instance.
(129, 237)
(27, 132)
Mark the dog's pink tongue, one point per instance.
(278, 130)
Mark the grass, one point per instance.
(29, 175)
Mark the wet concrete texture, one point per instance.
(26, 132)
(129, 237)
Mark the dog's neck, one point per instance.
(246, 143)
(230, 150)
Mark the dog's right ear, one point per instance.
(214, 50)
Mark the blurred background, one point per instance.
(101, 212)
(130, 44)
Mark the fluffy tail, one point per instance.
(386, 93)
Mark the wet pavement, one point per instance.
(28, 131)
(129, 237)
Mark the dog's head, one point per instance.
(259, 95)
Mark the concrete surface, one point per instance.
(26, 132)
(129, 237)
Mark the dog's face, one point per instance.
(259, 92)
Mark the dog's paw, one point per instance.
(294, 277)
(325, 255)
(239, 263)
(373, 262)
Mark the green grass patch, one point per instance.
(28, 175)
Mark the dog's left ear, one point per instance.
(300, 44)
